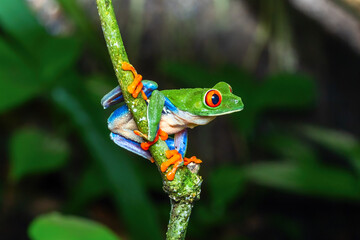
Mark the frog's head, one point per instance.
(215, 101)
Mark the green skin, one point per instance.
(191, 101)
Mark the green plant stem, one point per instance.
(185, 188)
(179, 219)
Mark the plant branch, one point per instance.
(185, 188)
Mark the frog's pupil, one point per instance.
(215, 99)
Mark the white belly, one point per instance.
(173, 123)
(170, 123)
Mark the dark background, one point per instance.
(286, 167)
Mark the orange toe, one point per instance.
(175, 159)
(171, 174)
(136, 86)
(146, 145)
(163, 135)
(192, 159)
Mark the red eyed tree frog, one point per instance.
(169, 112)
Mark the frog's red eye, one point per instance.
(213, 98)
(230, 88)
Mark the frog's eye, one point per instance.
(213, 98)
(230, 89)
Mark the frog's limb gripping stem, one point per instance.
(136, 86)
(192, 159)
(146, 145)
(175, 159)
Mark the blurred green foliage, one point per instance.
(57, 227)
(31, 150)
(36, 66)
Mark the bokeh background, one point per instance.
(287, 167)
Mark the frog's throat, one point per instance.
(173, 122)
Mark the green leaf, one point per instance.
(33, 151)
(312, 181)
(18, 81)
(56, 55)
(285, 145)
(54, 226)
(33, 59)
(17, 20)
(22, 78)
(337, 141)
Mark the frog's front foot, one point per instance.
(192, 159)
(175, 159)
(146, 145)
(136, 86)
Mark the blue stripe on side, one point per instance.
(169, 105)
(180, 142)
(130, 145)
(149, 87)
(170, 143)
(118, 113)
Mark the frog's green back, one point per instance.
(192, 100)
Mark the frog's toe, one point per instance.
(146, 145)
(175, 159)
(136, 86)
(192, 159)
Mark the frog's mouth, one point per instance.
(220, 114)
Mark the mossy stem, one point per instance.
(185, 188)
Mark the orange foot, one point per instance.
(192, 159)
(146, 145)
(175, 159)
(136, 86)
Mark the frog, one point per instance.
(170, 113)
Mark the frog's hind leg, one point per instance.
(181, 145)
(130, 146)
(115, 96)
(121, 122)
(175, 155)
(180, 142)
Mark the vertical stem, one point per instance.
(179, 219)
(185, 188)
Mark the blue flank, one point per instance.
(118, 113)
(170, 142)
(149, 87)
(170, 106)
(181, 140)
